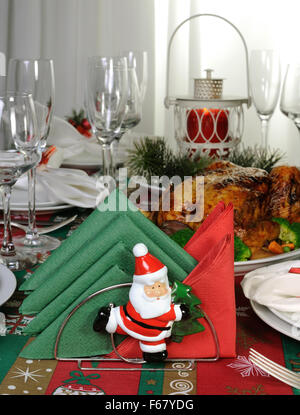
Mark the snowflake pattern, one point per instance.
(246, 368)
(26, 374)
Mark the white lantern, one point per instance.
(208, 121)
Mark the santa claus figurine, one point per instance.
(149, 314)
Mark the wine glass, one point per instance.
(138, 60)
(106, 98)
(18, 125)
(137, 85)
(265, 78)
(35, 76)
(133, 112)
(290, 96)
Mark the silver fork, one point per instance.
(46, 229)
(277, 371)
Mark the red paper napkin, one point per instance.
(213, 229)
(212, 280)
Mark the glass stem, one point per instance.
(31, 233)
(113, 147)
(264, 130)
(108, 167)
(7, 248)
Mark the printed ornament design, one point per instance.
(79, 384)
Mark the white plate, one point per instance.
(266, 315)
(285, 317)
(241, 268)
(8, 284)
(88, 165)
(41, 208)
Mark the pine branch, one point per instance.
(256, 156)
(152, 157)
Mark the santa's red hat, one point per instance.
(148, 269)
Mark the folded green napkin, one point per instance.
(85, 263)
(86, 232)
(117, 207)
(122, 229)
(78, 337)
(117, 255)
(65, 275)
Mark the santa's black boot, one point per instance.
(102, 318)
(155, 357)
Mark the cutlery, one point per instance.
(277, 371)
(47, 229)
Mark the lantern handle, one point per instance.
(167, 100)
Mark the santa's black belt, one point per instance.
(144, 325)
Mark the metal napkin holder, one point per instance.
(131, 361)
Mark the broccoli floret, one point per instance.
(295, 228)
(182, 236)
(289, 233)
(285, 229)
(241, 251)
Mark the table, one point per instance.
(234, 376)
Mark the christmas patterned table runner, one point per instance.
(234, 376)
(237, 376)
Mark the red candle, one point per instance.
(205, 125)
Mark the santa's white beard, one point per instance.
(149, 307)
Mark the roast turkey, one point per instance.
(284, 193)
(257, 197)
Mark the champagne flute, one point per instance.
(290, 96)
(35, 76)
(137, 86)
(106, 98)
(18, 124)
(138, 60)
(133, 114)
(265, 78)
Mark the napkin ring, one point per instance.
(190, 363)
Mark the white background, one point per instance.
(71, 30)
